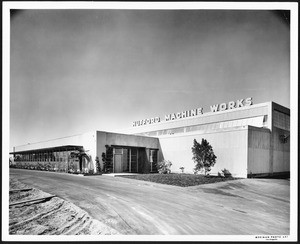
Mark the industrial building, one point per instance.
(129, 153)
(248, 140)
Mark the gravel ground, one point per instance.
(52, 216)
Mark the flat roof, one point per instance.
(48, 149)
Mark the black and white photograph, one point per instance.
(154, 121)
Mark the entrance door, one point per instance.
(126, 160)
(133, 160)
(118, 163)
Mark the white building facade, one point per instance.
(248, 140)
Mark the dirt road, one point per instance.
(241, 207)
(34, 212)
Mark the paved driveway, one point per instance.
(241, 207)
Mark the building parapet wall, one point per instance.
(205, 118)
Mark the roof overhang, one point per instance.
(50, 149)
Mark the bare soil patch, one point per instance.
(182, 180)
(53, 216)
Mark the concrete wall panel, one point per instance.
(281, 153)
(258, 150)
(131, 140)
(230, 147)
(281, 161)
(258, 161)
(100, 145)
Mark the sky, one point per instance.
(73, 71)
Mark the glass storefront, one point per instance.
(134, 160)
(52, 159)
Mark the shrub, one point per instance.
(107, 159)
(203, 156)
(226, 173)
(164, 167)
(182, 169)
(98, 167)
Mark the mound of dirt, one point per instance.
(49, 216)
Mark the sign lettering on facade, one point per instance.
(196, 112)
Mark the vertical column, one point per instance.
(129, 150)
(67, 163)
(113, 160)
(271, 123)
(122, 160)
(148, 157)
(137, 160)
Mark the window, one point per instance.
(153, 159)
(281, 120)
(118, 151)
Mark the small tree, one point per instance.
(98, 167)
(80, 154)
(107, 159)
(11, 162)
(203, 156)
(105, 164)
